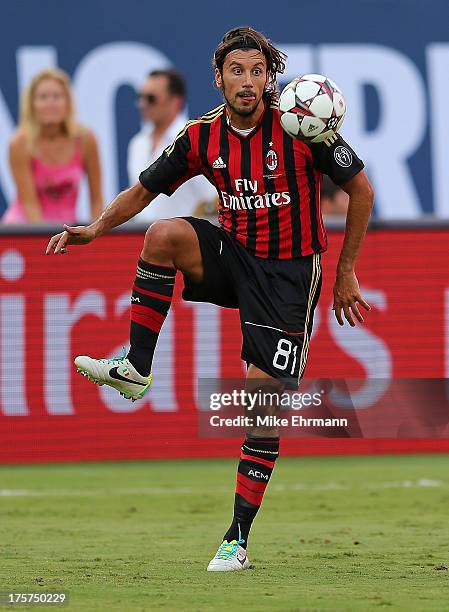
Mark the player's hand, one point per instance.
(346, 297)
(71, 235)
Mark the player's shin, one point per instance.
(257, 459)
(150, 303)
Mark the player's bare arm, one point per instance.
(122, 208)
(346, 289)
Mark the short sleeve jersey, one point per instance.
(268, 183)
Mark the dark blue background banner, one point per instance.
(390, 58)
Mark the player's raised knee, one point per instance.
(165, 235)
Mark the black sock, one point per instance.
(257, 459)
(150, 303)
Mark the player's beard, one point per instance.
(243, 112)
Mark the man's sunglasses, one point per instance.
(148, 98)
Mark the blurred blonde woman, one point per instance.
(49, 153)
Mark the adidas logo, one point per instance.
(219, 163)
(311, 127)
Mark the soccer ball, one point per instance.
(312, 108)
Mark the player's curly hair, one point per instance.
(246, 38)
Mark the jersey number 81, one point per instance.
(281, 359)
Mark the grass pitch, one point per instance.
(337, 533)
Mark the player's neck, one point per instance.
(244, 123)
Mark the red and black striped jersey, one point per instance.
(268, 183)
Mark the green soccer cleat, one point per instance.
(117, 372)
(230, 557)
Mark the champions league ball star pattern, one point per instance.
(312, 108)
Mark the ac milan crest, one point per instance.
(271, 160)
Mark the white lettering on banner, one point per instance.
(437, 56)
(162, 396)
(12, 321)
(301, 59)
(208, 344)
(13, 355)
(31, 60)
(207, 340)
(370, 351)
(12, 341)
(60, 317)
(385, 149)
(96, 80)
(7, 127)
(402, 123)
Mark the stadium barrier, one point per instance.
(53, 308)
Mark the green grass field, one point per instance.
(337, 533)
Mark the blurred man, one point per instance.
(161, 103)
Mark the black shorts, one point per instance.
(276, 299)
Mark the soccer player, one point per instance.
(264, 259)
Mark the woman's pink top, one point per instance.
(57, 190)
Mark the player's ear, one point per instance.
(218, 78)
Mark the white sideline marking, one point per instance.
(278, 487)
